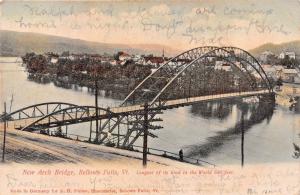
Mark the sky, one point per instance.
(180, 25)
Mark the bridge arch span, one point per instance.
(157, 82)
(171, 65)
(36, 110)
(70, 115)
(242, 54)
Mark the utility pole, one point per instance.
(4, 133)
(11, 102)
(190, 86)
(96, 105)
(242, 139)
(118, 143)
(146, 126)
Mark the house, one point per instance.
(106, 58)
(54, 60)
(121, 62)
(113, 62)
(96, 57)
(221, 65)
(226, 67)
(291, 55)
(136, 58)
(71, 57)
(266, 66)
(124, 56)
(289, 75)
(153, 70)
(218, 65)
(270, 70)
(153, 61)
(52, 57)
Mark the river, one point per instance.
(205, 131)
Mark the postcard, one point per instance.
(150, 97)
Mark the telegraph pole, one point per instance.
(96, 105)
(146, 126)
(4, 133)
(242, 142)
(118, 143)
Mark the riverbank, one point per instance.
(288, 96)
(117, 80)
(31, 148)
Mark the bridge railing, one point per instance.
(172, 155)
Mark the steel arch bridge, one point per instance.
(192, 76)
(154, 85)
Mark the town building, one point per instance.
(153, 61)
(124, 56)
(289, 75)
(221, 65)
(291, 55)
(270, 71)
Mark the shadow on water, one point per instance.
(259, 112)
(213, 110)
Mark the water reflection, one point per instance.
(254, 114)
(216, 110)
(108, 91)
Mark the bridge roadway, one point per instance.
(83, 116)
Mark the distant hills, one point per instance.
(18, 43)
(277, 48)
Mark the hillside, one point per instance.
(277, 48)
(18, 43)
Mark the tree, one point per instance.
(27, 57)
(289, 62)
(36, 64)
(65, 53)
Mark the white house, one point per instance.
(54, 60)
(113, 62)
(291, 55)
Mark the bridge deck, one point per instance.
(88, 116)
